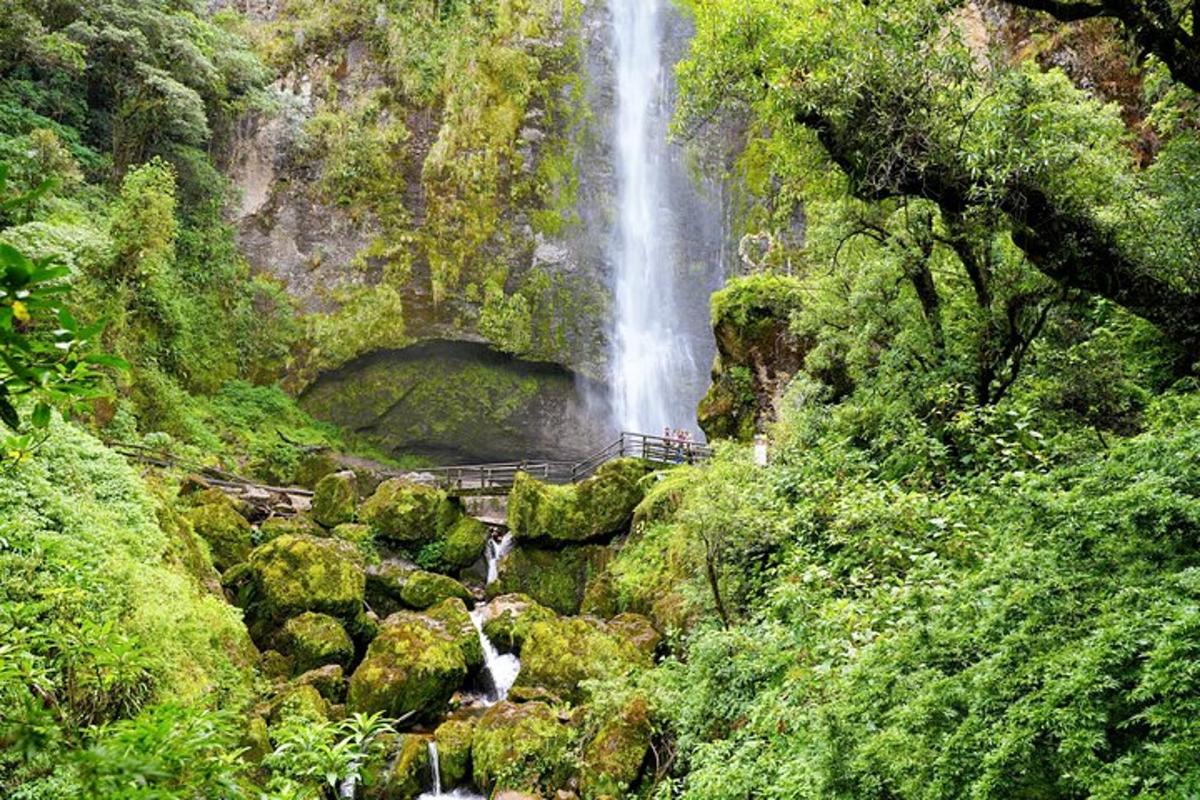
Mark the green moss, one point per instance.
(394, 585)
(600, 506)
(301, 702)
(358, 534)
(521, 747)
(314, 640)
(612, 760)
(410, 770)
(555, 578)
(454, 751)
(415, 663)
(409, 513)
(335, 499)
(329, 681)
(89, 574)
(560, 654)
(299, 525)
(294, 574)
(227, 533)
(509, 617)
(465, 543)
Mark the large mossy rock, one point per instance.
(612, 761)
(294, 574)
(557, 579)
(521, 747)
(464, 543)
(597, 507)
(410, 770)
(227, 533)
(314, 640)
(508, 618)
(335, 499)
(416, 662)
(299, 525)
(559, 654)
(409, 513)
(394, 585)
(453, 739)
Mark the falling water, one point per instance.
(435, 792)
(500, 669)
(495, 551)
(655, 368)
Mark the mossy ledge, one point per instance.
(459, 402)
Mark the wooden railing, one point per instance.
(489, 478)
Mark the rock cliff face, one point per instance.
(446, 176)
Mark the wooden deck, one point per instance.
(498, 478)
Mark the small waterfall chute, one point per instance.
(435, 774)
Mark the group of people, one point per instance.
(679, 444)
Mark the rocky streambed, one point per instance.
(481, 642)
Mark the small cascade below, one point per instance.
(495, 551)
(499, 669)
(435, 792)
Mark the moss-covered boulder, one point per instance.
(395, 585)
(299, 702)
(612, 761)
(416, 662)
(294, 574)
(410, 770)
(357, 533)
(329, 681)
(507, 619)
(315, 466)
(557, 579)
(299, 525)
(464, 543)
(335, 499)
(637, 630)
(597, 507)
(409, 513)
(227, 533)
(560, 654)
(521, 747)
(453, 739)
(313, 640)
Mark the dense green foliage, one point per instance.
(970, 570)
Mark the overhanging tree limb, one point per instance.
(1067, 245)
(1152, 24)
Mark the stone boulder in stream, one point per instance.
(416, 662)
(598, 507)
(508, 618)
(335, 499)
(612, 760)
(395, 585)
(557, 579)
(522, 747)
(227, 532)
(290, 575)
(315, 640)
(559, 654)
(409, 513)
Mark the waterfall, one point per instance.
(657, 376)
(495, 551)
(435, 767)
(500, 669)
(435, 770)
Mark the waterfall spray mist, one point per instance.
(655, 368)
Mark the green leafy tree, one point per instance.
(47, 358)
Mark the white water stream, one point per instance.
(500, 668)
(654, 367)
